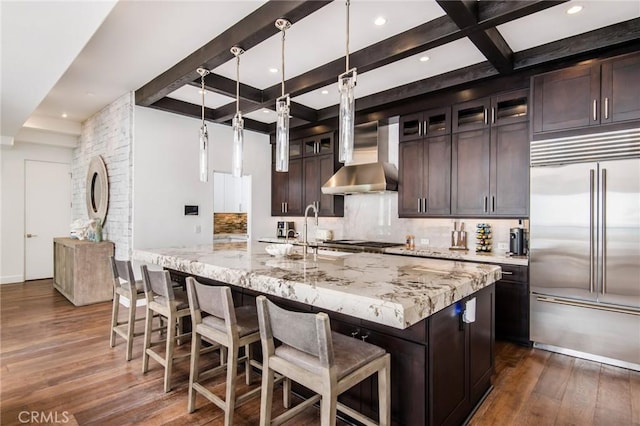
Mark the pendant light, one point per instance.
(238, 122)
(204, 135)
(346, 85)
(282, 109)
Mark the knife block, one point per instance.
(458, 240)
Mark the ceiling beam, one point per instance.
(489, 42)
(494, 13)
(247, 33)
(225, 86)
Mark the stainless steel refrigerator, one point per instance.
(585, 247)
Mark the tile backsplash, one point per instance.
(229, 223)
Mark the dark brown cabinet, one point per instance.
(512, 305)
(460, 358)
(424, 187)
(490, 156)
(587, 96)
(311, 163)
(318, 166)
(286, 190)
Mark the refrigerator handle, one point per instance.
(591, 225)
(603, 228)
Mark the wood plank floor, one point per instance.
(55, 359)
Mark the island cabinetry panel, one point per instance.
(81, 270)
(512, 305)
(490, 156)
(460, 359)
(587, 96)
(425, 164)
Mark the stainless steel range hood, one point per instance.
(370, 170)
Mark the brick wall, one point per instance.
(108, 133)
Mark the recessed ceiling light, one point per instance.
(200, 91)
(90, 93)
(266, 111)
(380, 20)
(573, 10)
(424, 58)
(273, 70)
(64, 115)
(325, 92)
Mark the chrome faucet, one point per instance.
(305, 240)
(286, 237)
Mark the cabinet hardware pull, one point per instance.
(603, 228)
(426, 206)
(595, 112)
(355, 333)
(31, 235)
(493, 203)
(419, 205)
(486, 116)
(493, 115)
(419, 128)
(485, 203)
(364, 337)
(507, 273)
(286, 207)
(606, 108)
(424, 127)
(591, 225)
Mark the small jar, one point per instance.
(410, 242)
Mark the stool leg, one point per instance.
(248, 371)
(114, 318)
(232, 371)
(328, 408)
(266, 394)
(384, 392)
(286, 392)
(148, 326)
(131, 327)
(168, 358)
(194, 372)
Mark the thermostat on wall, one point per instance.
(191, 210)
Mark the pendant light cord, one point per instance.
(283, 32)
(347, 43)
(202, 80)
(237, 84)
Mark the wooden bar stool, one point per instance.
(124, 285)
(327, 363)
(164, 300)
(230, 327)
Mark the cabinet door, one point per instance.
(510, 170)
(621, 89)
(294, 200)
(329, 204)
(510, 107)
(324, 144)
(566, 99)
(411, 176)
(448, 367)
(311, 180)
(411, 127)
(470, 172)
(279, 190)
(512, 311)
(437, 175)
(481, 345)
(471, 115)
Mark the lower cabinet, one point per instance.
(512, 305)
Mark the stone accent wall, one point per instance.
(229, 223)
(108, 133)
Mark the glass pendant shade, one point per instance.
(346, 85)
(238, 136)
(282, 134)
(204, 154)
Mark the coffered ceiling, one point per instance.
(154, 49)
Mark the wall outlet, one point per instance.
(503, 246)
(424, 241)
(198, 229)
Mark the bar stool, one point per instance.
(230, 327)
(124, 285)
(328, 363)
(167, 302)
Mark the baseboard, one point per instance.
(11, 279)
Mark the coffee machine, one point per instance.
(518, 242)
(285, 229)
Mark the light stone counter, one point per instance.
(397, 291)
(470, 255)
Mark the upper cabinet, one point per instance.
(587, 96)
(425, 164)
(231, 194)
(490, 156)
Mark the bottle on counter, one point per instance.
(410, 242)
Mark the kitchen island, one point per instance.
(412, 307)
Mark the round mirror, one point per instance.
(97, 190)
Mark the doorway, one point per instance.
(47, 211)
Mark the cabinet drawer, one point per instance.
(515, 273)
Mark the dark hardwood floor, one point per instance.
(55, 360)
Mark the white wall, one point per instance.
(165, 178)
(12, 202)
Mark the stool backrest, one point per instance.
(122, 273)
(213, 300)
(157, 283)
(310, 333)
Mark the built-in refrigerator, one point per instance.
(585, 246)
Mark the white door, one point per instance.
(47, 207)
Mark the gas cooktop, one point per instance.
(360, 245)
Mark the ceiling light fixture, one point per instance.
(273, 70)
(325, 92)
(266, 111)
(64, 115)
(204, 135)
(282, 109)
(380, 20)
(238, 122)
(424, 58)
(346, 85)
(574, 9)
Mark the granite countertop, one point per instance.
(397, 291)
(438, 253)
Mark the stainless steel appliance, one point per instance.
(585, 246)
(359, 245)
(285, 229)
(517, 241)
